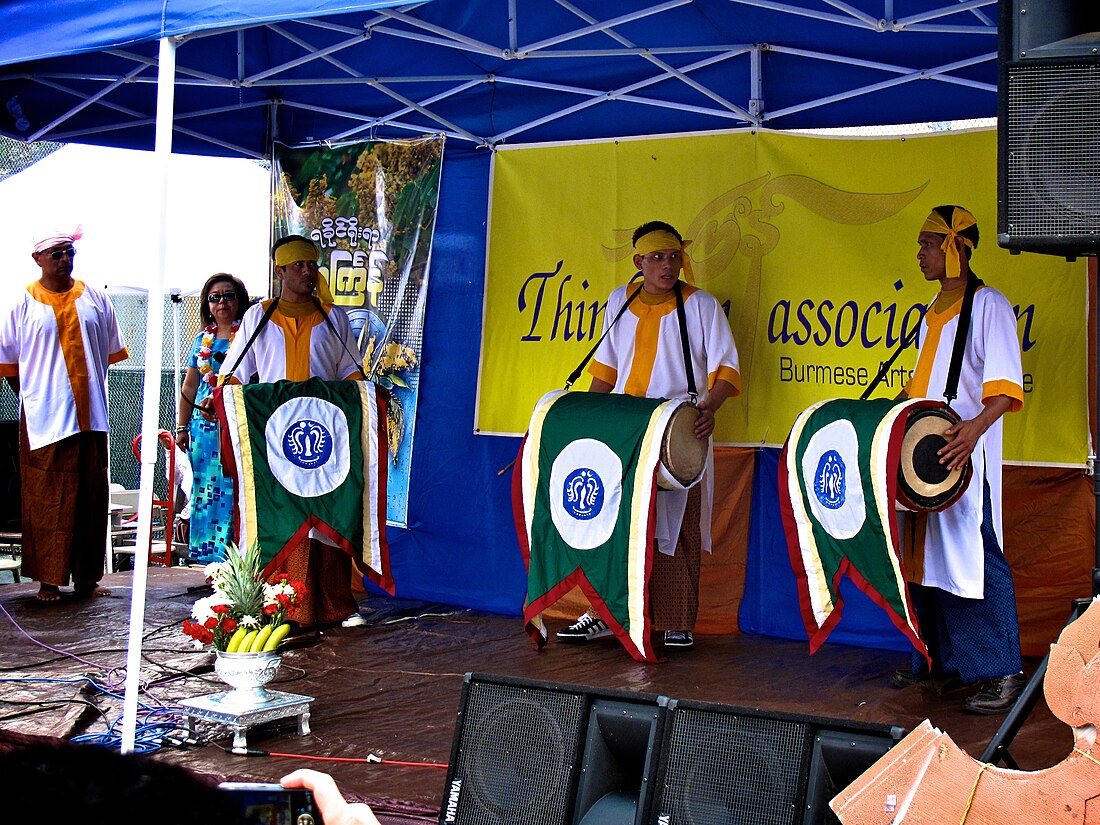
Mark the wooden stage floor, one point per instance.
(392, 688)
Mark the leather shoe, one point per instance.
(997, 695)
(906, 678)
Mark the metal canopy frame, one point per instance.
(531, 71)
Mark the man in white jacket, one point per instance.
(643, 356)
(960, 581)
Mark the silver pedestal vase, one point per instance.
(246, 674)
(248, 703)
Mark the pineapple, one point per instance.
(239, 579)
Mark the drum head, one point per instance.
(924, 483)
(683, 456)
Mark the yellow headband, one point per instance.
(662, 239)
(961, 219)
(288, 253)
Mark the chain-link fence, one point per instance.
(15, 156)
(126, 380)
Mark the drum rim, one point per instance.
(663, 468)
(920, 502)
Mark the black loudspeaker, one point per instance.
(11, 516)
(736, 766)
(1048, 147)
(535, 753)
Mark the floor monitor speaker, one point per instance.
(539, 753)
(724, 765)
(1048, 147)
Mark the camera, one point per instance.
(271, 804)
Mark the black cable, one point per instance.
(45, 705)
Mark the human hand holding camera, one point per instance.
(334, 809)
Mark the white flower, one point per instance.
(202, 609)
(272, 591)
(249, 621)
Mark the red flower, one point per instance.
(229, 625)
(219, 608)
(271, 609)
(197, 632)
(210, 623)
(284, 600)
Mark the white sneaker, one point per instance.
(585, 629)
(354, 620)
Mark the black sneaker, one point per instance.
(997, 695)
(682, 639)
(585, 629)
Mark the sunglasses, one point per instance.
(218, 298)
(57, 253)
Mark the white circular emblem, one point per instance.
(834, 486)
(307, 446)
(586, 485)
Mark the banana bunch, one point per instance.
(261, 640)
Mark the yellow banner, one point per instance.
(810, 243)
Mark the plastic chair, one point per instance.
(165, 508)
(11, 541)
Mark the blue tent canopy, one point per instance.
(483, 72)
(486, 72)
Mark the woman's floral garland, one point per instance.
(206, 349)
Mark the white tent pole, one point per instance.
(150, 419)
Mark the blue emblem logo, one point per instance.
(582, 494)
(307, 444)
(829, 480)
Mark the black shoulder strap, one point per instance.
(681, 316)
(358, 359)
(575, 374)
(252, 338)
(951, 390)
(885, 368)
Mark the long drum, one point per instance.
(925, 485)
(683, 456)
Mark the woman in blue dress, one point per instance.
(221, 305)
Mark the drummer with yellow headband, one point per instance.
(962, 586)
(297, 343)
(642, 355)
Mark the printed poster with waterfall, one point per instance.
(370, 207)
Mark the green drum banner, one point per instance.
(370, 208)
(837, 495)
(584, 497)
(306, 459)
(808, 242)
